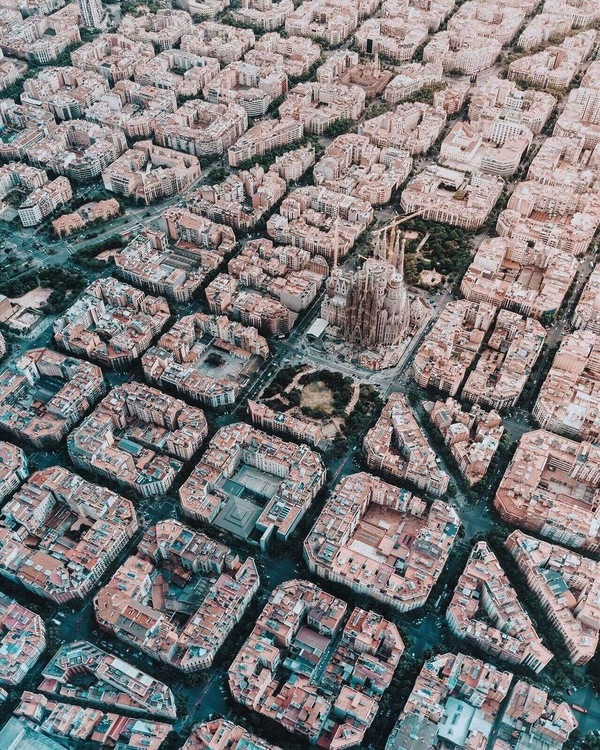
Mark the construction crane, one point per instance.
(391, 226)
(396, 222)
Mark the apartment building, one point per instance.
(287, 425)
(226, 295)
(225, 734)
(298, 53)
(113, 56)
(395, 39)
(253, 86)
(320, 221)
(163, 71)
(451, 346)
(42, 201)
(460, 700)
(558, 216)
(139, 438)
(353, 166)
(486, 612)
(179, 359)
(551, 488)
(133, 108)
(38, 38)
(211, 39)
(148, 173)
(542, 30)
(411, 78)
(466, 148)
(76, 724)
(241, 200)
(289, 477)
(175, 262)
(565, 584)
(464, 50)
(527, 277)
(292, 165)
(318, 106)
(201, 128)
(23, 125)
(364, 507)
(162, 29)
(136, 604)
(22, 640)
(15, 175)
(580, 117)
(30, 420)
(447, 686)
(107, 680)
(264, 137)
(37, 549)
(451, 196)
(266, 268)
(14, 468)
(79, 150)
(473, 437)
(499, 22)
(568, 400)
(298, 624)
(499, 110)
(566, 163)
(555, 66)
(331, 20)
(397, 446)
(432, 13)
(505, 364)
(66, 92)
(88, 214)
(412, 127)
(587, 312)
(112, 323)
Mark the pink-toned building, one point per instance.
(353, 166)
(288, 478)
(73, 723)
(486, 612)
(568, 400)
(136, 604)
(473, 437)
(224, 735)
(36, 545)
(14, 468)
(397, 446)
(31, 420)
(201, 128)
(413, 127)
(567, 586)
(179, 359)
(112, 323)
(551, 488)
(108, 680)
(138, 437)
(334, 705)
(451, 346)
(353, 541)
(450, 196)
(531, 279)
(22, 640)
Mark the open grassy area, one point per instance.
(317, 395)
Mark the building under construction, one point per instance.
(370, 306)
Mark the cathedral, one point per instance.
(370, 306)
